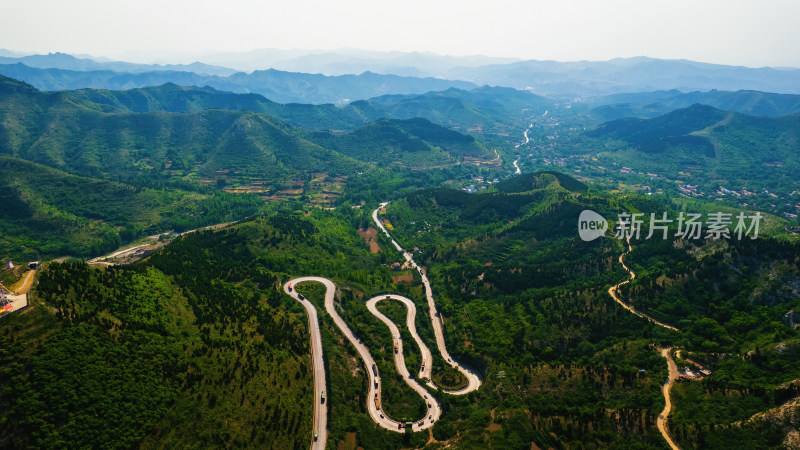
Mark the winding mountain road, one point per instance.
(613, 290)
(661, 422)
(473, 379)
(411, 313)
(374, 400)
(320, 426)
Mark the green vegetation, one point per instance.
(163, 138)
(512, 280)
(734, 158)
(197, 345)
(652, 104)
(406, 142)
(225, 358)
(47, 213)
(716, 412)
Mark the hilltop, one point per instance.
(653, 104)
(708, 147)
(203, 146)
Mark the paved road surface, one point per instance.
(411, 312)
(433, 411)
(473, 379)
(320, 409)
(117, 253)
(433, 408)
(377, 414)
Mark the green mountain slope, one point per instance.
(675, 123)
(538, 180)
(50, 128)
(47, 213)
(413, 143)
(653, 104)
(173, 98)
(711, 148)
(514, 280)
(71, 131)
(222, 356)
(481, 110)
(214, 353)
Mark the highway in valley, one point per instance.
(415, 381)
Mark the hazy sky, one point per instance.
(751, 33)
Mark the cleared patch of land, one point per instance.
(370, 236)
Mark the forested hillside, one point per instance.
(708, 149)
(516, 284)
(196, 346)
(223, 356)
(47, 213)
(653, 104)
(90, 133)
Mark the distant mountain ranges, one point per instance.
(652, 104)
(152, 123)
(382, 73)
(69, 62)
(279, 86)
(640, 74)
(475, 111)
(124, 135)
(134, 132)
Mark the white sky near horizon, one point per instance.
(735, 32)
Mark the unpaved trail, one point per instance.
(22, 286)
(612, 291)
(661, 422)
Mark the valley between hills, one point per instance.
(395, 262)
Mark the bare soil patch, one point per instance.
(370, 235)
(408, 278)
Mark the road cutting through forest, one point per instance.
(613, 291)
(374, 402)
